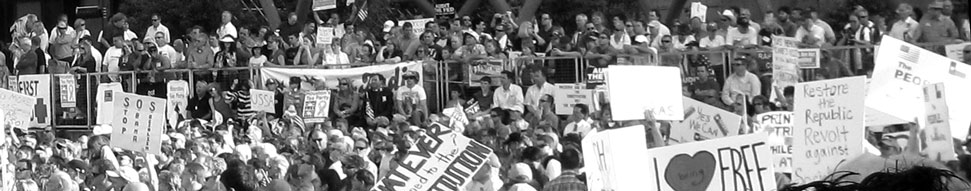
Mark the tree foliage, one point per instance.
(179, 15)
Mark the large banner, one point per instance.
(106, 102)
(702, 122)
(937, 133)
(568, 95)
(138, 123)
(828, 127)
(178, 99)
(442, 160)
(785, 59)
(17, 108)
(392, 74)
(778, 125)
(731, 163)
(316, 106)
(900, 74)
(628, 87)
(614, 158)
(38, 86)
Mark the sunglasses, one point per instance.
(666, 41)
(544, 101)
(360, 148)
(967, 51)
(590, 28)
(630, 25)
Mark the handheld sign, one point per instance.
(17, 108)
(263, 100)
(731, 163)
(568, 95)
(785, 59)
(38, 86)
(828, 126)
(67, 89)
(316, 106)
(809, 58)
(778, 125)
(325, 35)
(937, 132)
(442, 160)
(479, 69)
(629, 85)
(699, 10)
(138, 123)
(614, 158)
(703, 122)
(178, 99)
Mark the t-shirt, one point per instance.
(113, 58)
(816, 32)
(199, 106)
(485, 101)
(106, 102)
(413, 94)
(734, 34)
(257, 61)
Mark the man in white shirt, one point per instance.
(535, 92)
(829, 35)
(164, 49)
(411, 98)
(906, 26)
(809, 34)
(113, 56)
(581, 124)
(740, 82)
(508, 96)
(743, 35)
(227, 27)
(157, 27)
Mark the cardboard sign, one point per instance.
(17, 108)
(106, 99)
(614, 158)
(177, 94)
(316, 106)
(809, 58)
(568, 95)
(785, 59)
(320, 5)
(138, 123)
(937, 133)
(68, 89)
(703, 122)
(38, 86)
(628, 85)
(956, 51)
(778, 125)
(900, 73)
(417, 25)
(443, 9)
(699, 10)
(731, 163)
(325, 35)
(442, 160)
(263, 100)
(828, 126)
(491, 68)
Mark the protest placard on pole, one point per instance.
(138, 123)
(442, 160)
(17, 108)
(105, 100)
(828, 127)
(38, 86)
(316, 106)
(785, 68)
(898, 78)
(937, 132)
(177, 96)
(778, 124)
(730, 163)
(626, 85)
(67, 89)
(614, 158)
(699, 10)
(703, 122)
(263, 100)
(568, 95)
(956, 51)
(320, 5)
(809, 58)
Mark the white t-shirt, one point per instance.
(816, 32)
(112, 58)
(106, 106)
(170, 53)
(257, 61)
(707, 42)
(227, 29)
(415, 94)
(750, 38)
(534, 94)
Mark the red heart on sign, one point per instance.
(687, 173)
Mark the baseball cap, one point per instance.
(387, 26)
(936, 5)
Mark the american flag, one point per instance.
(362, 11)
(368, 110)
(909, 54)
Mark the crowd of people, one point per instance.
(223, 144)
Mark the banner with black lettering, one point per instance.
(442, 160)
(392, 74)
(138, 123)
(38, 86)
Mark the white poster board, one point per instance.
(900, 73)
(642, 88)
(177, 96)
(699, 10)
(316, 106)
(17, 108)
(138, 124)
(106, 99)
(263, 100)
(320, 5)
(809, 58)
(828, 127)
(956, 51)
(38, 86)
(67, 89)
(614, 158)
(785, 59)
(704, 122)
(568, 95)
(778, 124)
(325, 35)
(442, 160)
(731, 163)
(937, 132)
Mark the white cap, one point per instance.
(387, 26)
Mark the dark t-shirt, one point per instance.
(199, 106)
(290, 56)
(485, 101)
(381, 101)
(154, 89)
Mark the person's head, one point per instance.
(118, 41)
(466, 21)
(160, 39)
(427, 38)
(156, 20)
(538, 76)
(455, 25)
(362, 180)
(411, 80)
(967, 54)
(904, 10)
(485, 82)
(581, 111)
(226, 17)
(353, 163)
(854, 21)
(469, 39)
(570, 159)
(948, 7)
(508, 77)
(935, 9)
(432, 27)
(293, 40)
(546, 102)
(406, 30)
(618, 22)
(294, 83)
(804, 22)
(702, 71)
(292, 18)
(739, 67)
(666, 42)
(362, 146)
(119, 20)
(783, 13)
(653, 15)
(376, 81)
(581, 21)
(546, 20)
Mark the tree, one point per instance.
(180, 15)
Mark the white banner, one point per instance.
(627, 86)
(568, 95)
(38, 86)
(138, 124)
(17, 108)
(106, 99)
(828, 126)
(731, 163)
(442, 160)
(67, 88)
(778, 125)
(392, 74)
(262, 100)
(316, 106)
(900, 73)
(178, 99)
(937, 133)
(615, 158)
(703, 122)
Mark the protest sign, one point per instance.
(809, 58)
(627, 85)
(325, 35)
(614, 158)
(937, 132)
(568, 95)
(316, 106)
(778, 125)
(320, 5)
(456, 115)
(391, 72)
(17, 108)
(177, 96)
(956, 51)
(828, 127)
(596, 75)
(442, 160)
(67, 89)
(138, 123)
(444, 9)
(479, 69)
(263, 100)
(106, 99)
(417, 25)
(785, 59)
(899, 75)
(38, 86)
(699, 10)
(730, 163)
(703, 122)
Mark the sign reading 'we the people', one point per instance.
(138, 123)
(828, 126)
